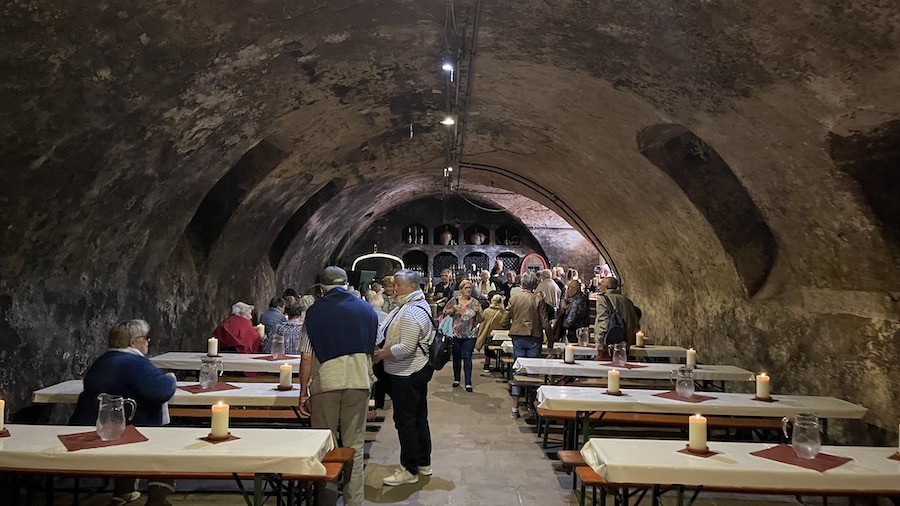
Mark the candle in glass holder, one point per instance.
(639, 338)
(692, 358)
(212, 347)
(284, 376)
(612, 381)
(2, 413)
(261, 329)
(697, 433)
(569, 354)
(763, 386)
(219, 419)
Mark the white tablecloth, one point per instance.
(567, 398)
(249, 394)
(500, 335)
(648, 462)
(175, 450)
(669, 352)
(190, 361)
(593, 369)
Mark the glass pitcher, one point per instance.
(684, 381)
(210, 370)
(806, 437)
(619, 353)
(277, 347)
(111, 416)
(584, 336)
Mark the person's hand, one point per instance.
(381, 354)
(172, 375)
(303, 407)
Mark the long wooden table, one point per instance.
(236, 362)
(588, 401)
(650, 464)
(171, 452)
(247, 394)
(549, 367)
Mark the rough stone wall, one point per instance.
(118, 118)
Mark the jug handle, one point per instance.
(133, 404)
(221, 367)
(784, 427)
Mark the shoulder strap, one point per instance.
(610, 306)
(433, 325)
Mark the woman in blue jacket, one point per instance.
(125, 370)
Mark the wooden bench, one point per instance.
(570, 459)
(652, 420)
(590, 478)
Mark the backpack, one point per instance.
(438, 353)
(615, 328)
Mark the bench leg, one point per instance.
(581, 495)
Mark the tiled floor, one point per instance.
(482, 456)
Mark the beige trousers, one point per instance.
(344, 412)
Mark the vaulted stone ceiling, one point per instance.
(737, 160)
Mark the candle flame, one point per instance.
(763, 373)
(220, 404)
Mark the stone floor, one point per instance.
(481, 456)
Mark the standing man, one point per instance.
(609, 291)
(443, 291)
(337, 354)
(550, 291)
(408, 334)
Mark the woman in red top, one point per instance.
(237, 333)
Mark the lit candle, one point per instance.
(640, 338)
(219, 419)
(570, 354)
(212, 347)
(284, 376)
(763, 386)
(612, 381)
(692, 358)
(697, 433)
(2, 413)
(261, 329)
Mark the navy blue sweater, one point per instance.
(128, 375)
(341, 323)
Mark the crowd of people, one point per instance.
(353, 347)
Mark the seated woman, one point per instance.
(125, 370)
(291, 330)
(237, 333)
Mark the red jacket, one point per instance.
(236, 333)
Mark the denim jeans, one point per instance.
(524, 348)
(462, 355)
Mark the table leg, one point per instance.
(680, 500)
(656, 494)
(257, 489)
(49, 491)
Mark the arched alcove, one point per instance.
(444, 261)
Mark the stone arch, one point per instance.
(714, 189)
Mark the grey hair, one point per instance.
(329, 288)
(406, 277)
(241, 309)
(529, 280)
(122, 333)
(305, 302)
(546, 274)
(374, 299)
(484, 272)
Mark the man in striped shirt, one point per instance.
(408, 333)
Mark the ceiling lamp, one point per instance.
(448, 121)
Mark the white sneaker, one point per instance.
(425, 470)
(400, 477)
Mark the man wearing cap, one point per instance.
(336, 355)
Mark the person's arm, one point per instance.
(602, 319)
(545, 321)
(304, 346)
(149, 384)
(410, 331)
(506, 322)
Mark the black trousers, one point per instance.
(410, 397)
(382, 386)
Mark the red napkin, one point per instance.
(785, 453)
(626, 366)
(270, 358)
(197, 389)
(85, 440)
(292, 387)
(215, 441)
(672, 394)
(4, 433)
(895, 456)
(770, 399)
(620, 394)
(687, 451)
